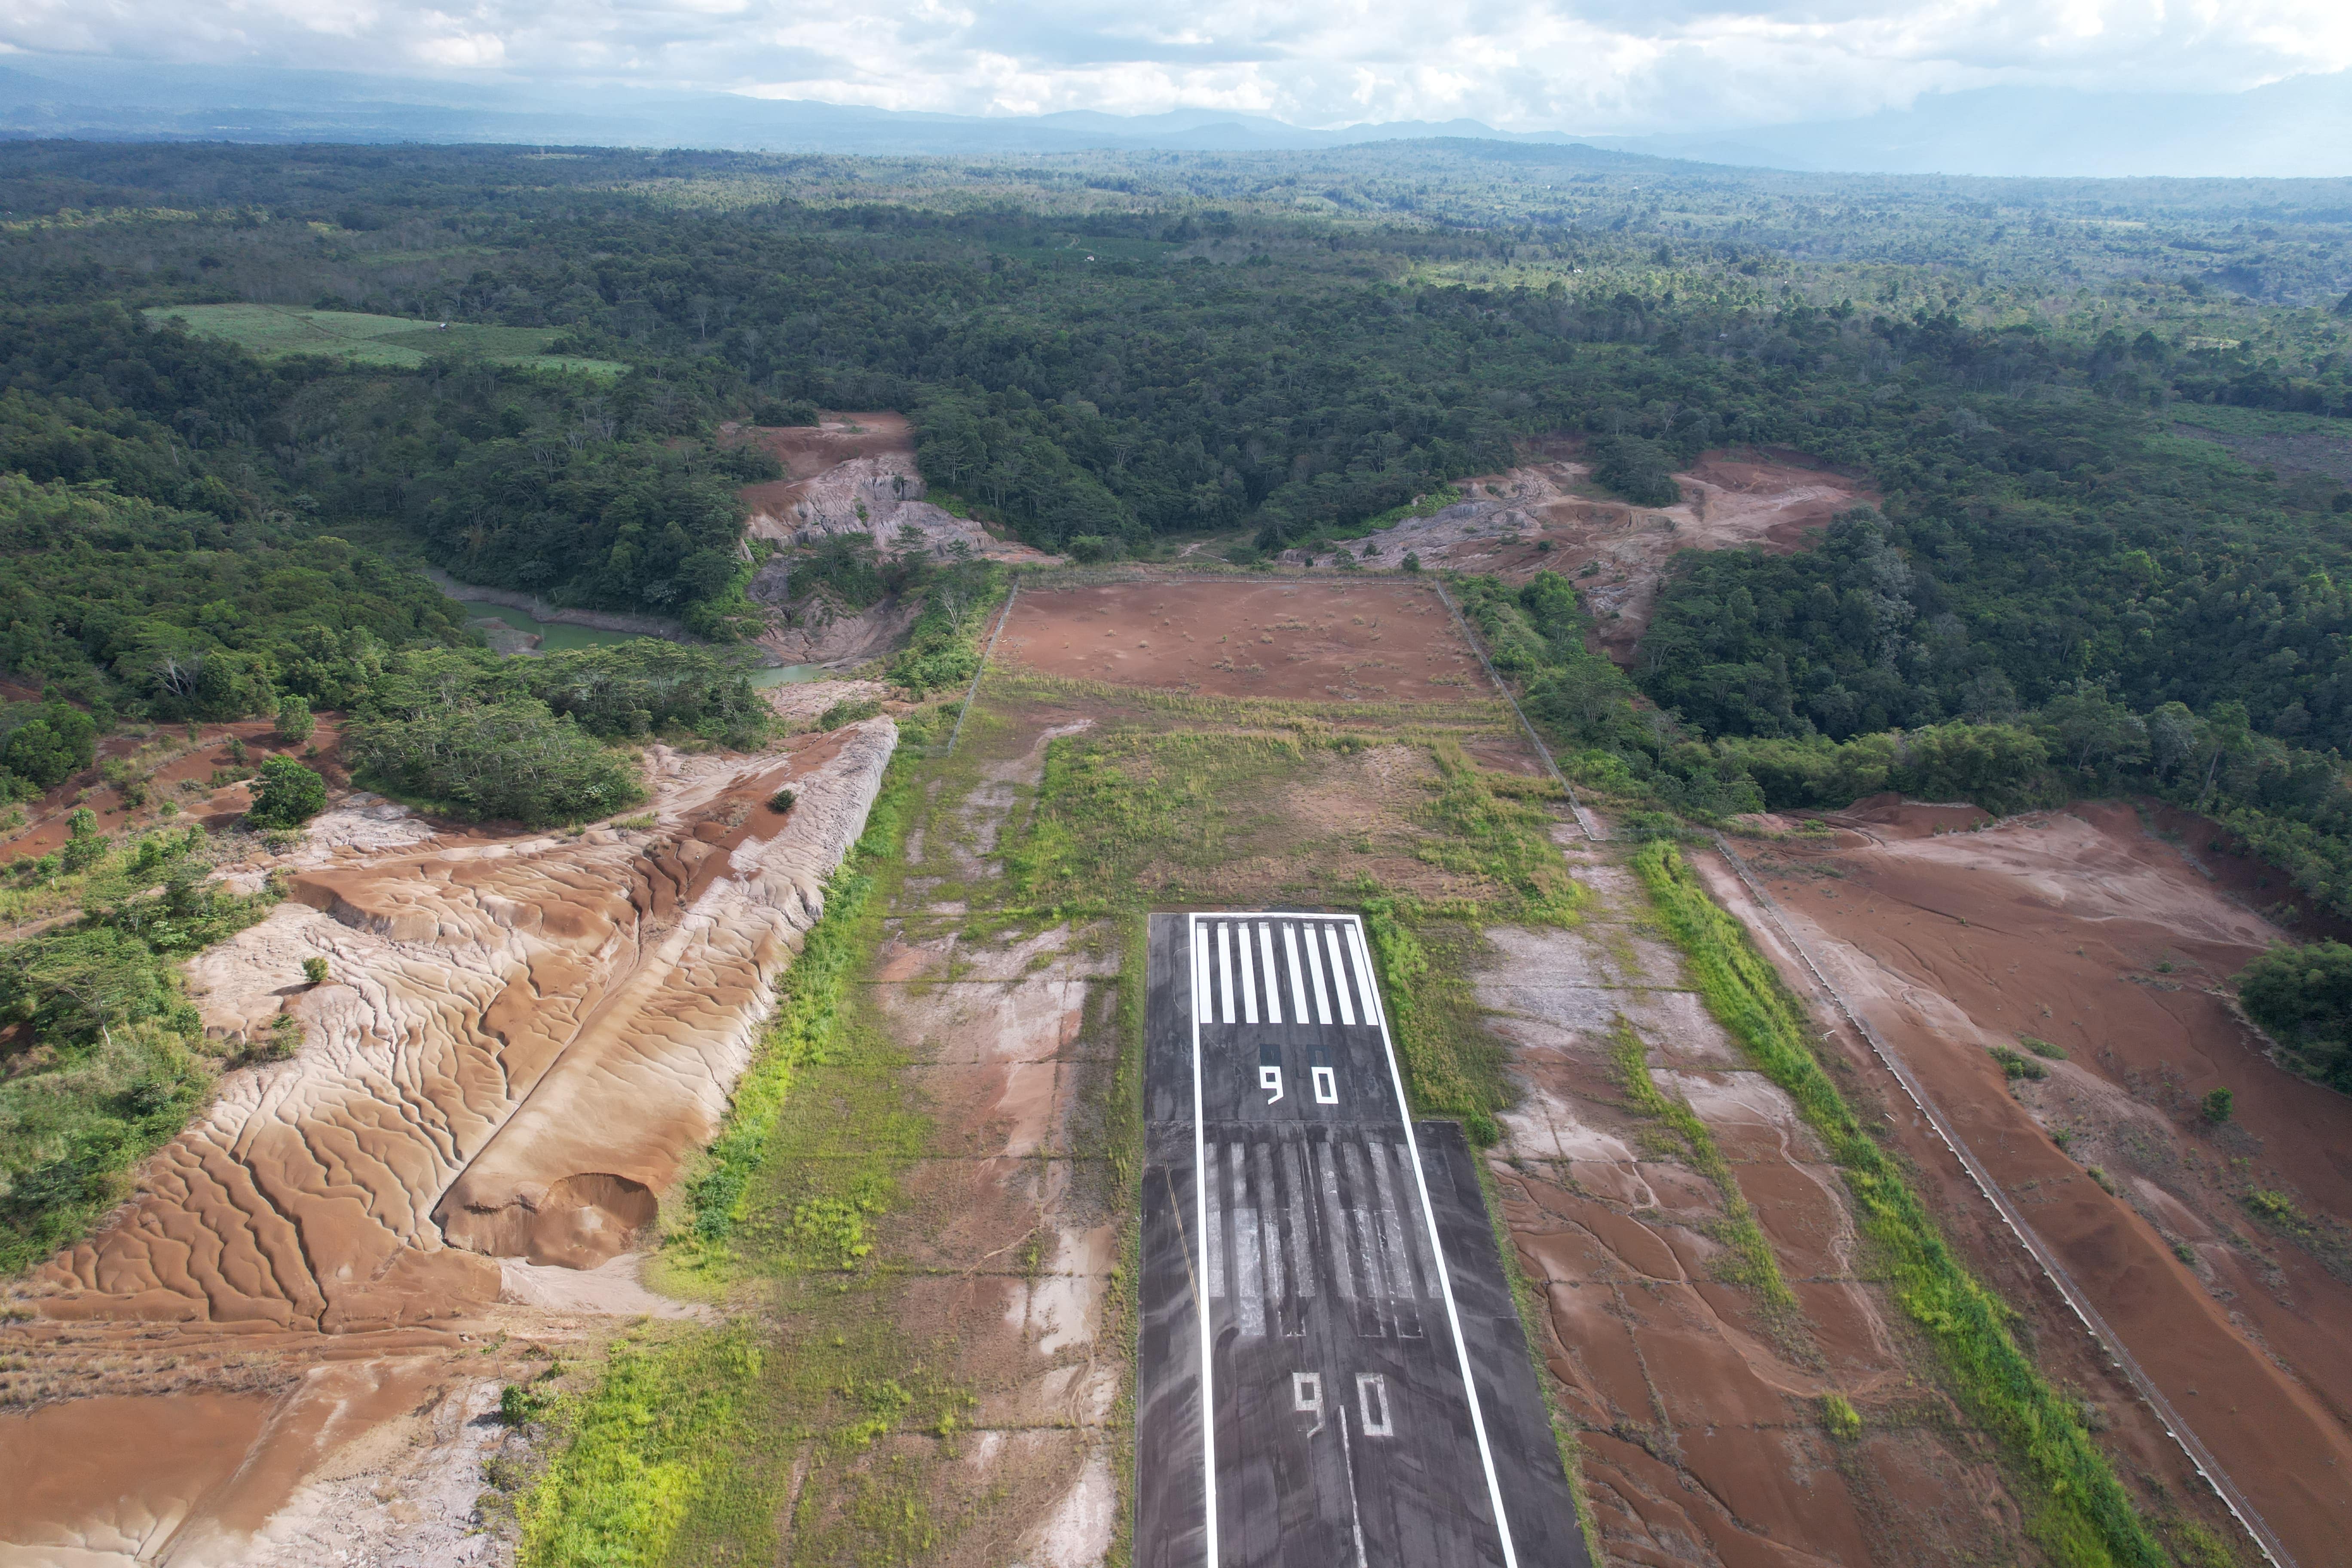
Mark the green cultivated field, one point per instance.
(281, 331)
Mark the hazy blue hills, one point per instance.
(2299, 127)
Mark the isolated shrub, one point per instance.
(52, 748)
(1838, 1413)
(848, 712)
(85, 846)
(781, 801)
(2015, 1066)
(286, 794)
(519, 1406)
(294, 720)
(2218, 1105)
(285, 1039)
(314, 971)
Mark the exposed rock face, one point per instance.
(520, 1042)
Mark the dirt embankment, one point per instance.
(1547, 515)
(856, 473)
(2086, 930)
(852, 474)
(520, 1040)
(1315, 641)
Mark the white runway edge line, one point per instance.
(1376, 1016)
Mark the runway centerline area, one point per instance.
(1372, 1398)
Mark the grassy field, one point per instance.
(282, 331)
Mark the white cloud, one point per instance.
(1599, 65)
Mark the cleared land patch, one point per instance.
(1378, 641)
(396, 343)
(2084, 933)
(1547, 515)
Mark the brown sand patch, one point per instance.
(1546, 515)
(808, 450)
(163, 762)
(2055, 925)
(1303, 641)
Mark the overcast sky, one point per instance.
(1590, 66)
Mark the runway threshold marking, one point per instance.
(1291, 1297)
(1355, 966)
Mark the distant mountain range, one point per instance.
(2299, 127)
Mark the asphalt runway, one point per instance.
(1374, 1403)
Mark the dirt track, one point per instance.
(2084, 928)
(1314, 641)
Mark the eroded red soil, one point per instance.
(1304, 641)
(1699, 1407)
(2084, 928)
(523, 1037)
(1545, 514)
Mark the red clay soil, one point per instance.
(165, 760)
(1383, 641)
(2084, 928)
(1547, 515)
(808, 450)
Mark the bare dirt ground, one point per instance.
(1546, 514)
(1315, 641)
(2084, 928)
(523, 1037)
(851, 474)
(1700, 1410)
(176, 774)
(856, 473)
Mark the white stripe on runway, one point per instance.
(1249, 975)
(1322, 992)
(1298, 980)
(1225, 970)
(1339, 982)
(1273, 975)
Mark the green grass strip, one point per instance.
(1752, 1264)
(809, 999)
(2076, 1509)
(633, 1454)
(640, 1449)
